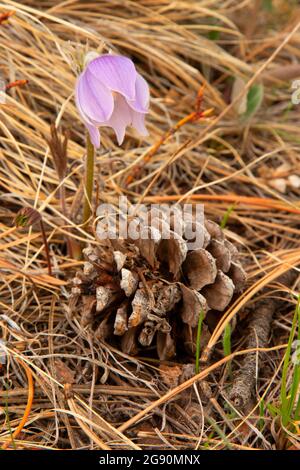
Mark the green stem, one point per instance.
(89, 181)
(227, 346)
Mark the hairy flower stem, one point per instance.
(46, 247)
(89, 180)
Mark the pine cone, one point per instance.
(149, 292)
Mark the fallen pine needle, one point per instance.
(234, 198)
(28, 405)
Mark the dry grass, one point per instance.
(120, 402)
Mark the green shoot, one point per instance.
(227, 344)
(198, 341)
(219, 431)
(226, 216)
(288, 410)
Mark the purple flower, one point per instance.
(110, 92)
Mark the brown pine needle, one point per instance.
(235, 198)
(28, 405)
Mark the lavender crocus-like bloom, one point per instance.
(110, 92)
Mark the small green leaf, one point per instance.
(226, 216)
(273, 410)
(267, 5)
(214, 35)
(254, 99)
(27, 216)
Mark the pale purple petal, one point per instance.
(116, 73)
(83, 116)
(94, 134)
(138, 122)
(142, 95)
(95, 101)
(120, 119)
